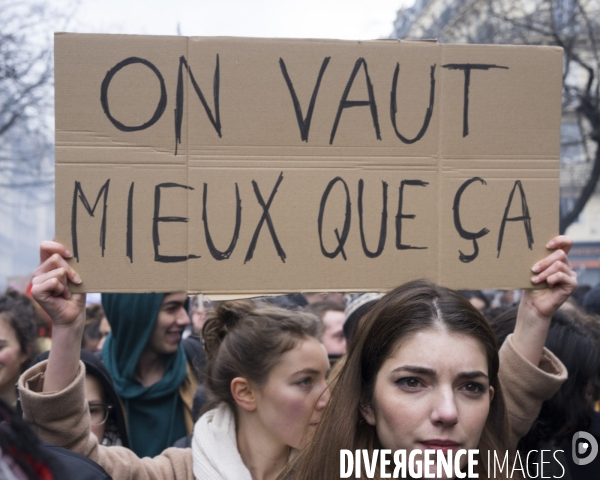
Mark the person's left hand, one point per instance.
(556, 271)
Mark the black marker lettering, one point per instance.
(157, 219)
(303, 122)
(461, 231)
(78, 192)
(129, 236)
(345, 103)
(466, 68)
(160, 108)
(400, 216)
(214, 119)
(525, 217)
(428, 113)
(217, 254)
(340, 239)
(266, 217)
(383, 230)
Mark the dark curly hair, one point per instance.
(19, 311)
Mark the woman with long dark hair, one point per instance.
(422, 373)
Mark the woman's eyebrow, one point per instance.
(415, 369)
(431, 371)
(171, 304)
(473, 374)
(306, 371)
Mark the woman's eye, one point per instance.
(305, 382)
(410, 382)
(474, 387)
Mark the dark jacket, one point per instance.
(68, 465)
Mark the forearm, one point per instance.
(531, 330)
(526, 386)
(63, 361)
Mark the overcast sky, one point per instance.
(344, 19)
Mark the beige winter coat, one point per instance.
(62, 418)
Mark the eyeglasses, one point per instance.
(99, 412)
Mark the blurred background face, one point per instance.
(291, 402)
(198, 314)
(170, 323)
(11, 356)
(104, 331)
(431, 393)
(94, 394)
(333, 335)
(478, 303)
(320, 297)
(96, 329)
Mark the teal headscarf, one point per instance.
(154, 414)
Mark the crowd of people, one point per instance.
(171, 387)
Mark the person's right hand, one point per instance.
(50, 287)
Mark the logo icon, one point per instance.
(585, 448)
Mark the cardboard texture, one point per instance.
(253, 166)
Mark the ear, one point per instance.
(243, 394)
(492, 392)
(366, 410)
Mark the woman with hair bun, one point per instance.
(265, 382)
(266, 388)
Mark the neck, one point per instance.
(264, 456)
(150, 368)
(8, 392)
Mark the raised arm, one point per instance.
(53, 393)
(528, 373)
(50, 287)
(538, 306)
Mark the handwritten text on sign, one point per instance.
(264, 166)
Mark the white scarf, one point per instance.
(214, 447)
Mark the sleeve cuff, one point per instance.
(47, 408)
(539, 382)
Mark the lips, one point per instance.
(175, 335)
(314, 423)
(440, 444)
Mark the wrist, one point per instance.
(63, 360)
(68, 335)
(529, 312)
(531, 330)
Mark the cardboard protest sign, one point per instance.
(255, 166)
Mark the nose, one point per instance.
(101, 343)
(323, 399)
(183, 319)
(444, 412)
